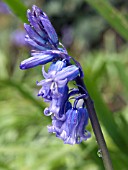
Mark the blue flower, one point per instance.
(68, 121)
(57, 77)
(72, 129)
(54, 86)
(40, 31)
(42, 37)
(58, 104)
(41, 58)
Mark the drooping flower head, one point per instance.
(72, 130)
(68, 121)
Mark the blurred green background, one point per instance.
(95, 32)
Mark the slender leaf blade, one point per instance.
(18, 8)
(105, 115)
(112, 16)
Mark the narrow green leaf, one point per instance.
(112, 16)
(18, 9)
(24, 91)
(122, 74)
(105, 116)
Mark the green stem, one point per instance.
(96, 126)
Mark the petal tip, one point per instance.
(34, 7)
(22, 66)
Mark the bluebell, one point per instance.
(72, 129)
(68, 121)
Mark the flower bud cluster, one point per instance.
(68, 120)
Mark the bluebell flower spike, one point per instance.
(69, 120)
(54, 87)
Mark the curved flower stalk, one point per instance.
(69, 121)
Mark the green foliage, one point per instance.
(112, 16)
(24, 141)
(18, 8)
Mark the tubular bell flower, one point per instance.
(41, 58)
(54, 86)
(58, 104)
(57, 77)
(68, 121)
(72, 129)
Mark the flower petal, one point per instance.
(43, 20)
(72, 129)
(32, 43)
(42, 83)
(36, 25)
(46, 75)
(57, 66)
(62, 83)
(56, 125)
(70, 72)
(50, 30)
(34, 61)
(36, 37)
(36, 11)
(40, 58)
(47, 112)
